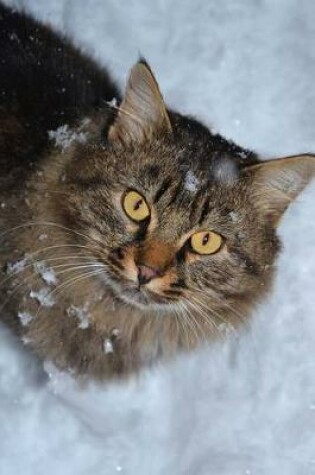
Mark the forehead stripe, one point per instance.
(163, 188)
(205, 210)
(177, 191)
(195, 203)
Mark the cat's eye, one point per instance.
(206, 242)
(135, 206)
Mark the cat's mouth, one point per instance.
(143, 297)
(138, 296)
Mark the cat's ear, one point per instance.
(276, 183)
(142, 112)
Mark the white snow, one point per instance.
(42, 237)
(47, 273)
(64, 137)
(43, 296)
(115, 332)
(113, 103)
(191, 182)
(25, 318)
(234, 216)
(225, 170)
(81, 314)
(248, 68)
(17, 266)
(108, 346)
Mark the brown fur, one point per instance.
(66, 215)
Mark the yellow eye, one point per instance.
(206, 242)
(135, 206)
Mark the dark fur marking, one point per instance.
(175, 293)
(152, 171)
(163, 188)
(251, 267)
(205, 211)
(195, 205)
(115, 262)
(175, 194)
(179, 284)
(142, 231)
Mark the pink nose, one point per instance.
(146, 273)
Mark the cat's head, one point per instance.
(180, 218)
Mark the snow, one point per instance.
(42, 237)
(25, 318)
(191, 182)
(17, 266)
(225, 171)
(115, 332)
(81, 314)
(64, 137)
(46, 272)
(244, 407)
(108, 346)
(234, 217)
(113, 103)
(43, 296)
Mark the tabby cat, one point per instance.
(128, 232)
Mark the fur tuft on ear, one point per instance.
(142, 112)
(276, 183)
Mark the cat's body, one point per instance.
(85, 283)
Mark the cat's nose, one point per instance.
(147, 273)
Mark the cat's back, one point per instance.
(45, 82)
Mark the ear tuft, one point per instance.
(276, 183)
(142, 112)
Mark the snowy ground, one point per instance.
(247, 66)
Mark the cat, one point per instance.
(128, 232)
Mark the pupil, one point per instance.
(138, 205)
(205, 239)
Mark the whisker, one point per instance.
(186, 327)
(78, 267)
(59, 289)
(232, 328)
(205, 312)
(203, 315)
(182, 320)
(28, 257)
(48, 223)
(13, 293)
(174, 312)
(190, 323)
(222, 303)
(35, 275)
(192, 319)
